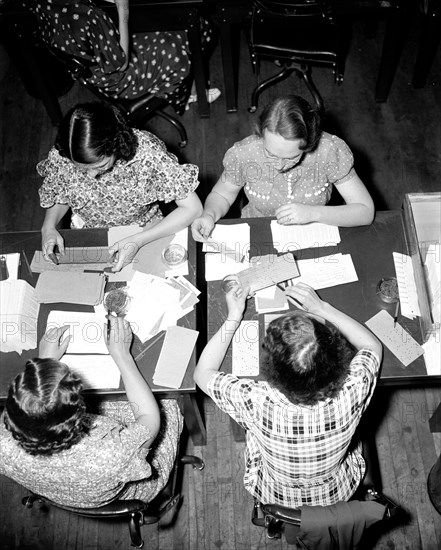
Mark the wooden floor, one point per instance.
(397, 146)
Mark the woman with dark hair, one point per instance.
(288, 169)
(109, 174)
(52, 446)
(300, 416)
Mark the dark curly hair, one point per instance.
(292, 117)
(306, 360)
(91, 131)
(45, 410)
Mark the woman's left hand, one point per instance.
(123, 252)
(236, 299)
(295, 213)
(53, 345)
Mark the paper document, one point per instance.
(85, 329)
(234, 237)
(175, 355)
(326, 271)
(270, 299)
(245, 356)
(70, 287)
(398, 340)
(96, 371)
(432, 352)
(12, 263)
(406, 285)
(311, 235)
(218, 266)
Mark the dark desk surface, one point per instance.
(371, 249)
(29, 241)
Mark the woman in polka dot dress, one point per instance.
(288, 170)
(122, 66)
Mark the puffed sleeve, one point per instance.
(57, 174)
(163, 178)
(233, 166)
(339, 160)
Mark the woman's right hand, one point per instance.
(50, 239)
(120, 338)
(202, 227)
(307, 298)
(236, 299)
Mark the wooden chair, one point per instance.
(277, 519)
(296, 35)
(138, 512)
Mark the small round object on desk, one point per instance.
(117, 301)
(229, 282)
(387, 290)
(174, 255)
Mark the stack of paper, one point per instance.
(406, 285)
(311, 235)
(432, 352)
(326, 271)
(95, 371)
(18, 316)
(70, 287)
(433, 272)
(228, 238)
(86, 330)
(12, 264)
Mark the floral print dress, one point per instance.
(159, 61)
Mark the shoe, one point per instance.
(212, 95)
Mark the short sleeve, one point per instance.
(233, 167)
(338, 161)
(57, 174)
(234, 397)
(363, 373)
(164, 179)
(129, 445)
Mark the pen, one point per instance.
(108, 325)
(53, 258)
(397, 307)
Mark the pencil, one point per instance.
(289, 298)
(53, 258)
(108, 325)
(397, 307)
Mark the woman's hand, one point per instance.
(123, 252)
(307, 298)
(236, 299)
(50, 239)
(202, 227)
(54, 344)
(120, 338)
(295, 213)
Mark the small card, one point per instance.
(70, 287)
(245, 358)
(398, 340)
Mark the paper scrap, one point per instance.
(270, 299)
(326, 271)
(406, 285)
(85, 329)
(311, 235)
(398, 340)
(96, 371)
(175, 355)
(245, 355)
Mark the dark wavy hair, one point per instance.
(45, 409)
(306, 360)
(91, 131)
(292, 117)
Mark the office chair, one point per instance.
(296, 35)
(139, 512)
(277, 519)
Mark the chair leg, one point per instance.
(305, 73)
(284, 73)
(135, 523)
(179, 127)
(198, 463)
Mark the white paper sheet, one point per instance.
(245, 355)
(406, 285)
(12, 263)
(218, 266)
(326, 271)
(96, 371)
(235, 237)
(311, 235)
(87, 330)
(432, 353)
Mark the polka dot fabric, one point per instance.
(310, 182)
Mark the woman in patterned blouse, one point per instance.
(52, 446)
(109, 174)
(288, 170)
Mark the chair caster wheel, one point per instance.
(182, 143)
(252, 109)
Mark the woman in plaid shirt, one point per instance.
(299, 421)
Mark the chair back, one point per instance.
(295, 8)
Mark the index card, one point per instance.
(310, 235)
(245, 357)
(218, 266)
(96, 372)
(175, 355)
(70, 287)
(406, 285)
(326, 271)
(270, 299)
(398, 340)
(234, 237)
(85, 329)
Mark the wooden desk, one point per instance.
(371, 249)
(11, 363)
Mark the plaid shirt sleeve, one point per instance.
(363, 374)
(234, 396)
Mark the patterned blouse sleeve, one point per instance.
(129, 443)
(233, 169)
(57, 174)
(170, 180)
(339, 163)
(233, 396)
